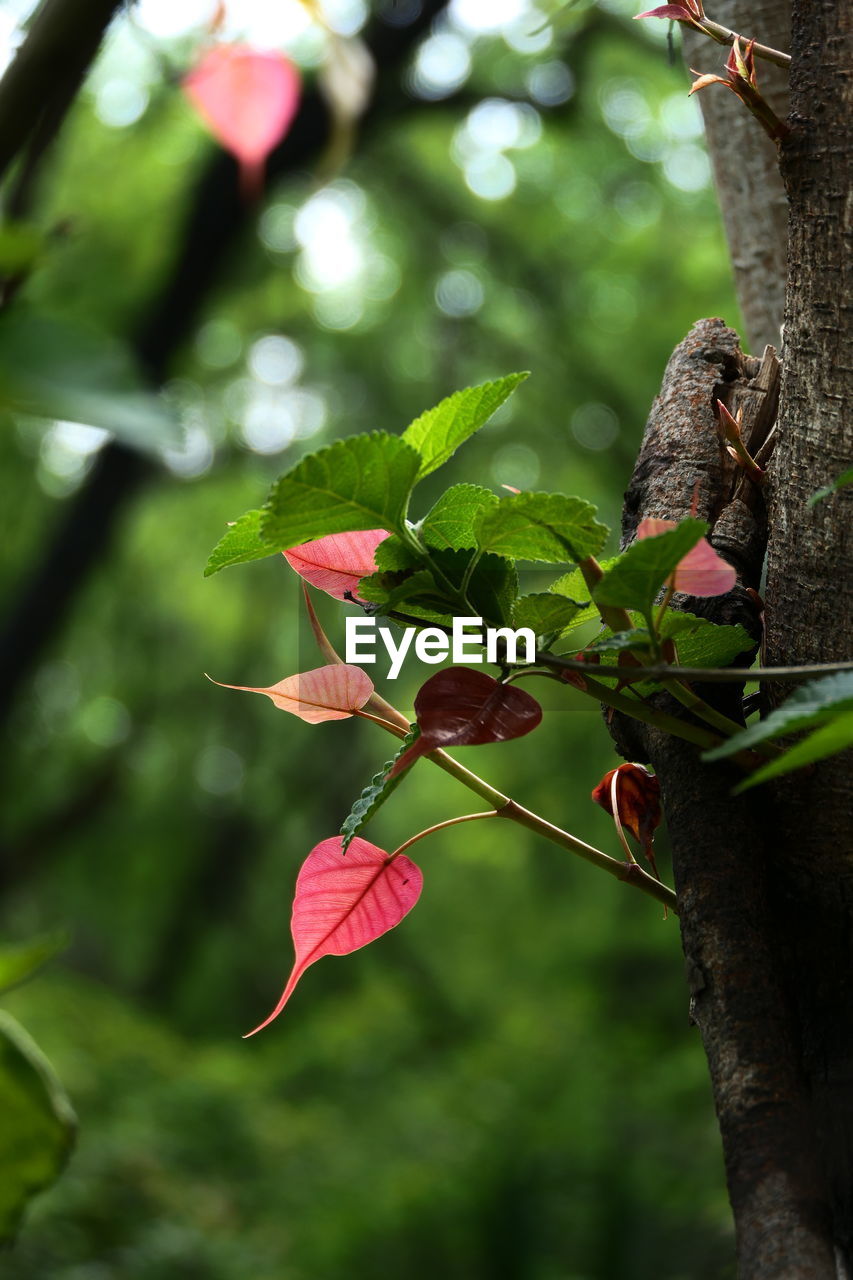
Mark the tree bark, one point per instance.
(766, 884)
(721, 859)
(745, 164)
(810, 578)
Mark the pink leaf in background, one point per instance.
(344, 901)
(337, 563)
(328, 693)
(464, 708)
(701, 572)
(248, 100)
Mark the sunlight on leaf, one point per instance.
(337, 563)
(343, 901)
(334, 692)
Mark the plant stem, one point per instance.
(629, 872)
(504, 807)
(439, 826)
(723, 35)
(615, 619)
(681, 690)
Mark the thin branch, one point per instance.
(722, 35)
(706, 675)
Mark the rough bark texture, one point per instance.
(810, 576)
(722, 862)
(746, 169)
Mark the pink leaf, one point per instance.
(248, 100)
(337, 563)
(329, 693)
(459, 707)
(701, 572)
(344, 901)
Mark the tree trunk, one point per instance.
(810, 578)
(746, 166)
(765, 883)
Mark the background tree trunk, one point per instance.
(746, 166)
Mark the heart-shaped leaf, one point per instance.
(334, 692)
(337, 563)
(459, 707)
(248, 99)
(343, 901)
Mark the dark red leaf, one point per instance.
(459, 707)
(637, 795)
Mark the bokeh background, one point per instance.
(506, 1086)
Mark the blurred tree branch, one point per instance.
(49, 68)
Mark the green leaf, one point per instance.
(492, 588)
(617, 642)
(362, 482)
(574, 587)
(243, 542)
(38, 1126)
(701, 643)
(19, 961)
(828, 740)
(375, 793)
(58, 370)
(438, 433)
(451, 521)
(840, 482)
(394, 554)
(541, 526)
(635, 579)
(389, 590)
(813, 704)
(545, 613)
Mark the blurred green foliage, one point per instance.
(507, 1085)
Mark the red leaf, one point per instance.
(337, 563)
(248, 100)
(464, 708)
(328, 693)
(344, 901)
(637, 793)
